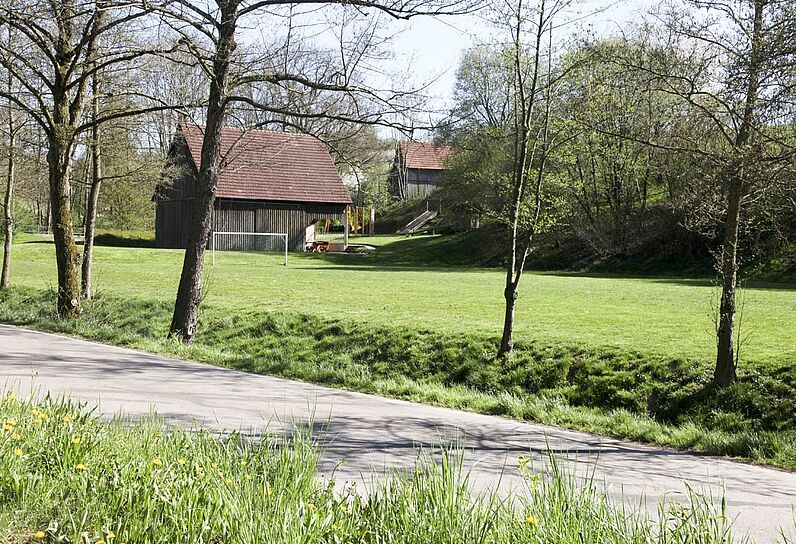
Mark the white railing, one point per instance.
(283, 235)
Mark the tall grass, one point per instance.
(66, 476)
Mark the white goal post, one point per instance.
(282, 235)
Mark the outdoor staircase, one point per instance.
(418, 222)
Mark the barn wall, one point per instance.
(421, 183)
(174, 200)
(246, 216)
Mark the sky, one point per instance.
(435, 44)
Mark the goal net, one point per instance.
(248, 241)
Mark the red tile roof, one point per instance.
(424, 155)
(265, 165)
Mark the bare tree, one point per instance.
(8, 200)
(53, 64)
(729, 62)
(212, 34)
(531, 85)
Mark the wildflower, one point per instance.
(244, 462)
(334, 527)
(532, 521)
(8, 427)
(249, 477)
(16, 437)
(100, 541)
(12, 397)
(68, 418)
(310, 505)
(80, 466)
(200, 470)
(157, 462)
(76, 440)
(214, 465)
(181, 461)
(110, 536)
(228, 481)
(18, 452)
(269, 490)
(38, 535)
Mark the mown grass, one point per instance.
(404, 285)
(66, 476)
(621, 394)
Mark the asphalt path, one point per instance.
(365, 436)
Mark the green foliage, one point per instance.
(66, 476)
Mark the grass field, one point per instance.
(67, 477)
(625, 356)
(663, 316)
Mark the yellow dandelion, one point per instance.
(228, 481)
(334, 527)
(181, 461)
(80, 466)
(157, 462)
(38, 535)
(214, 465)
(11, 421)
(8, 427)
(68, 418)
(200, 470)
(531, 520)
(77, 440)
(11, 396)
(16, 437)
(311, 505)
(100, 541)
(110, 536)
(18, 452)
(244, 462)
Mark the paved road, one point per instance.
(372, 433)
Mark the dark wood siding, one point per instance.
(174, 199)
(292, 218)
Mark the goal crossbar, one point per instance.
(282, 235)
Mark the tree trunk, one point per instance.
(189, 292)
(8, 217)
(88, 243)
(93, 197)
(507, 339)
(67, 256)
(724, 373)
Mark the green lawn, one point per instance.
(627, 357)
(662, 316)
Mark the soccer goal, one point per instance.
(243, 235)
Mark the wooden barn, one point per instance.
(417, 169)
(276, 182)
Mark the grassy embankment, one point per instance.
(67, 477)
(624, 356)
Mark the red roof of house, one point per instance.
(424, 155)
(265, 165)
